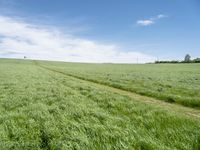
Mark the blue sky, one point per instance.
(108, 30)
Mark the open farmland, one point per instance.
(54, 105)
(174, 83)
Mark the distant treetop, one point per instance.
(187, 59)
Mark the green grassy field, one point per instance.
(175, 83)
(48, 105)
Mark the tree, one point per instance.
(187, 58)
(197, 60)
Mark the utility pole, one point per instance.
(157, 58)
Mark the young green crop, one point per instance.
(43, 109)
(174, 83)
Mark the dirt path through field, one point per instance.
(148, 100)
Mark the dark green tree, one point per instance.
(187, 58)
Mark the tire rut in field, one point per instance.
(149, 100)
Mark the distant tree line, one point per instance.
(187, 59)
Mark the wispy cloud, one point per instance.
(150, 21)
(19, 38)
(145, 22)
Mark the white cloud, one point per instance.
(18, 39)
(150, 21)
(161, 16)
(145, 22)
